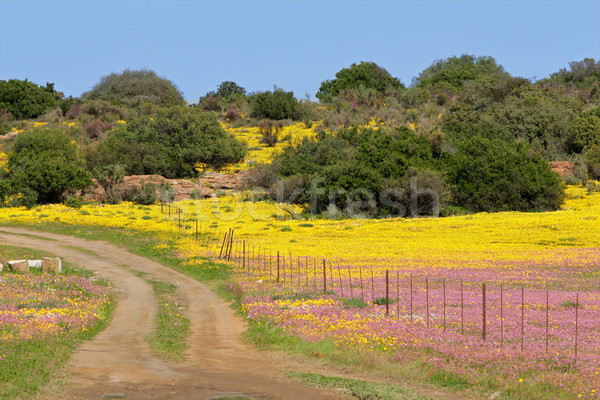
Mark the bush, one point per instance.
(46, 162)
(275, 105)
(96, 128)
(134, 87)
(592, 162)
(493, 175)
(103, 110)
(269, 132)
(584, 132)
(366, 75)
(110, 178)
(146, 195)
(24, 99)
(170, 144)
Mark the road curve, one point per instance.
(117, 362)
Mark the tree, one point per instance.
(277, 105)
(134, 87)
(366, 74)
(493, 175)
(24, 99)
(45, 161)
(454, 72)
(170, 144)
(584, 132)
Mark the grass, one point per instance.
(168, 341)
(37, 366)
(358, 389)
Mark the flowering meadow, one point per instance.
(42, 318)
(411, 290)
(260, 153)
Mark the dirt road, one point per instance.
(117, 362)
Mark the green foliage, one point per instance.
(350, 171)
(45, 161)
(494, 175)
(135, 87)
(170, 144)
(24, 99)
(110, 178)
(579, 72)
(228, 92)
(584, 132)
(454, 72)
(146, 195)
(592, 162)
(364, 75)
(276, 105)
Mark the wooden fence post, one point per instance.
(483, 294)
(324, 278)
(462, 310)
(444, 300)
(340, 279)
(277, 266)
(547, 319)
(427, 299)
(522, 317)
(387, 292)
(576, 323)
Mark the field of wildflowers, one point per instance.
(534, 332)
(42, 316)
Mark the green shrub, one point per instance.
(494, 175)
(276, 105)
(197, 194)
(366, 75)
(170, 144)
(146, 195)
(110, 178)
(584, 132)
(592, 162)
(46, 162)
(24, 99)
(135, 87)
(74, 201)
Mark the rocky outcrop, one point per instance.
(207, 185)
(562, 167)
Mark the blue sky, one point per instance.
(292, 44)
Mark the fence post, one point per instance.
(411, 298)
(324, 278)
(484, 311)
(387, 292)
(277, 266)
(576, 323)
(427, 299)
(444, 300)
(340, 279)
(462, 309)
(243, 254)
(501, 316)
(398, 294)
(362, 290)
(373, 288)
(350, 279)
(522, 317)
(547, 319)
(179, 212)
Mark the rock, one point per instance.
(19, 265)
(182, 187)
(35, 263)
(562, 167)
(53, 265)
(495, 395)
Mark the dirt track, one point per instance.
(118, 361)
